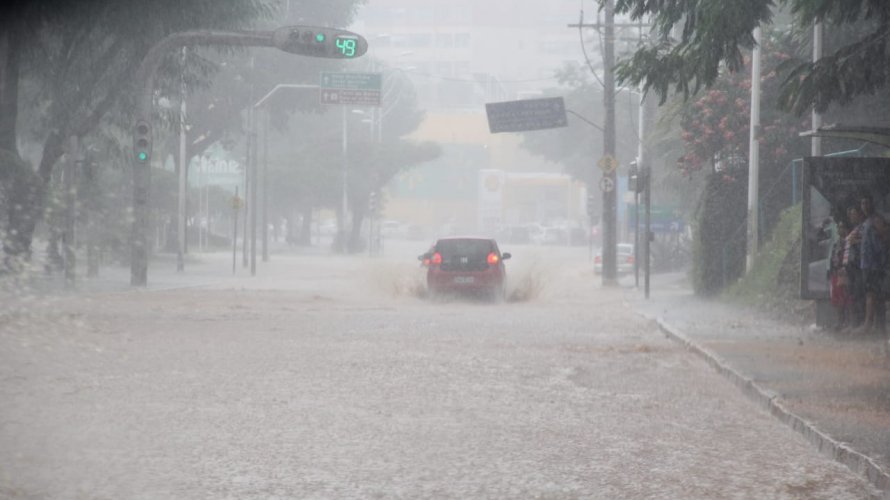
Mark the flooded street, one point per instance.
(334, 378)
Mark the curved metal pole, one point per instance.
(142, 174)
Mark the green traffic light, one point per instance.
(142, 156)
(319, 38)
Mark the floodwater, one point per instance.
(332, 377)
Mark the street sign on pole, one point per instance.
(524, 115)
(607, 164)
(357, 89)
(350, 97)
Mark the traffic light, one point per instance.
(320, 42)
(372, 202)
(633, 178)
(142, 142)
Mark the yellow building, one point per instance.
(451, 194)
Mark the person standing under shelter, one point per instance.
(851, 259)
(841, 298)
(872, 260)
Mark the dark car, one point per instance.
(470, 265)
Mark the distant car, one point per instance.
(555, 236)
(466, 265)
(625, 259)
(393, 229)
(517, 235)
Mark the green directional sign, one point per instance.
(352, 81)
(361, 89)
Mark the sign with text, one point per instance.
(351, 97)
(525, 115)
(356, 89)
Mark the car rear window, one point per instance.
(465, 248)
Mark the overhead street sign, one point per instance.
(357, 89)
(525, 115)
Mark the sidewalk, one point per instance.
(831, 388)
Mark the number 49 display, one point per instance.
(346, 46)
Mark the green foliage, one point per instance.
(716, 123)
(714, 33)
(20, 193)
(774, 282)
(77, 68)
(719, 235)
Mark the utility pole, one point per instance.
(183, 177)
(253, 166)
(816, 144)
(245, 248)
(610, 199)
(264, 220)
(754, 157)
(344, 201)
(236, 206)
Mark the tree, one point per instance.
(715, 34)
(77, 63)
(71, 65)
(305, 175)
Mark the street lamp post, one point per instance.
(264, 193)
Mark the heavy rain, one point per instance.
(444, 249)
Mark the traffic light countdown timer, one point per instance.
(320, 42)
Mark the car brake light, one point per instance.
(437, 258)
(493, 259)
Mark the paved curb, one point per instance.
(770, 401)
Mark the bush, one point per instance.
(718, 256)
(774, 281)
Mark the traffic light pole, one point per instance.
(264, 192)
(142, 169)
(610, 219)
(302, 40)
(648, 236)
(344, 202)
(183, 173)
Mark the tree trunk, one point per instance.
(306, 230)
(356, 242)
(22, 195)
(9, 88)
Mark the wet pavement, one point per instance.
(331, 377)
(834, 388)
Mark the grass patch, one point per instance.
(774, 282)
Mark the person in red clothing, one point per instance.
(841, 299)
(855, 284)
